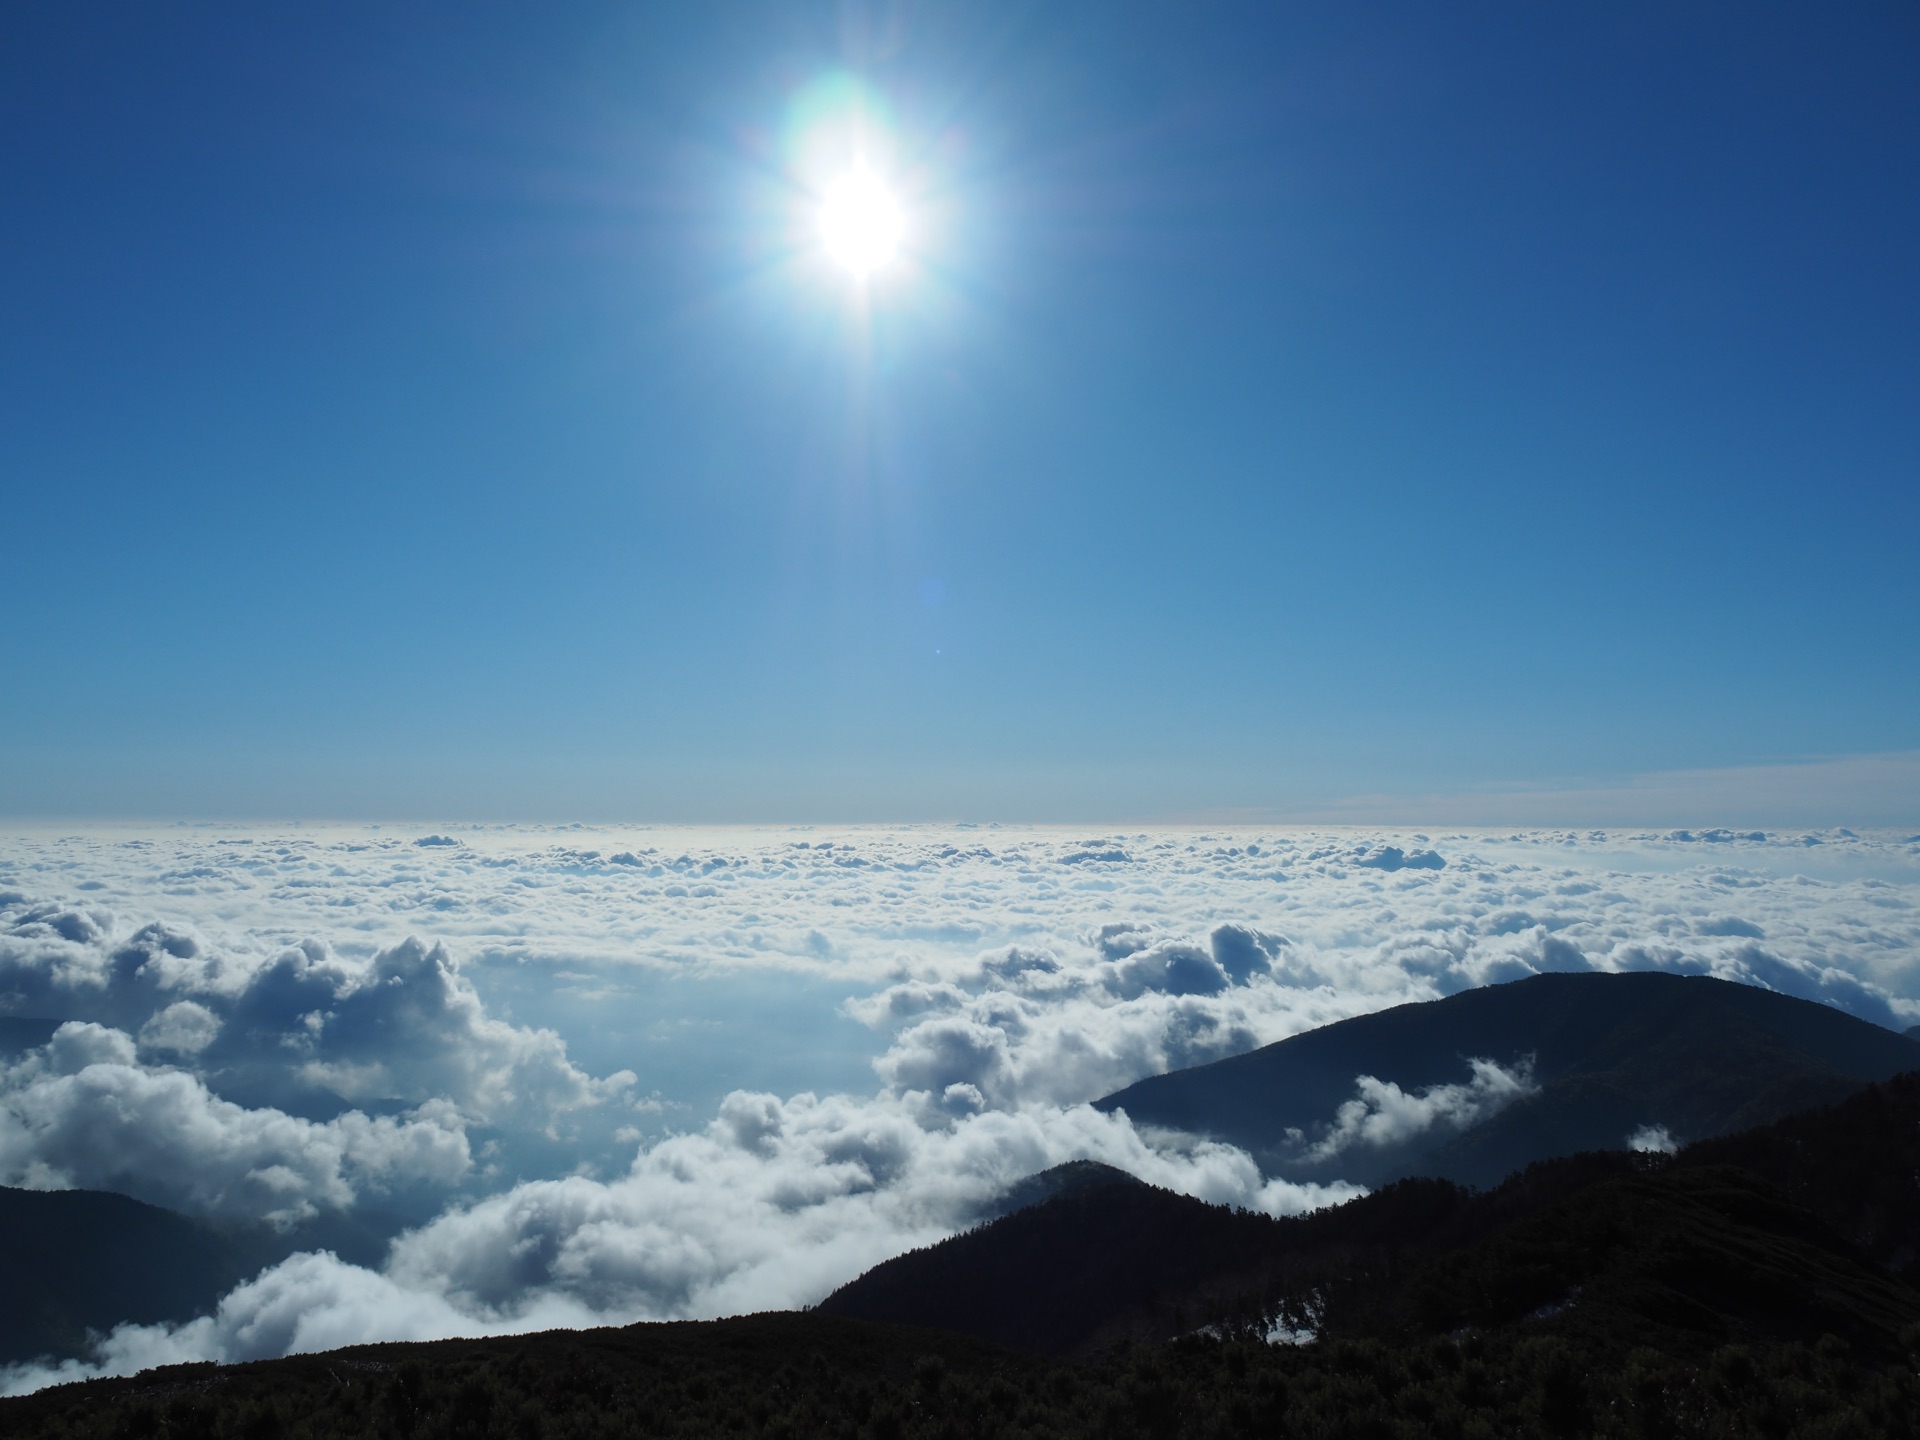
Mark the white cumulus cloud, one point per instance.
(84, 1113)
(1382, 1114)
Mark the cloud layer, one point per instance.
(261, 1024)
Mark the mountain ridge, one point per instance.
(1809, 1225)
(1606, 1054)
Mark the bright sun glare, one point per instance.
(861, 223)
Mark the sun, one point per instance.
(861, 224)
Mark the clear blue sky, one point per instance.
(438, 409)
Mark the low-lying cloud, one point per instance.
(771, 1205)
(84, 1113)
(1653, 1139)
(1381, 1114)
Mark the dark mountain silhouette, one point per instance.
(1089, 1266)
(1758, 1284)
(1810, 1226)
(1073, 1177)
(79, 1260)
(1610, 1055)
(76, 1260)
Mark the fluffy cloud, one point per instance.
(998, 970)
(78, 911)
(776, 1202)
(260, 1086)
(1392, 857)
(403, 1025)
(1021, 1030)
(304, 1304)
(1654, 1139)
(1382, 1114)
(82, 1112)
(183, 1028)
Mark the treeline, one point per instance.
(802, 1375)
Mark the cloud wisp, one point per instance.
(1381, 1114)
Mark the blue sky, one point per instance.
(435, 414)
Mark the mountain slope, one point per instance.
(1810, 1226)
(1610, 1055)
(1088, 1266)
(78, 1260)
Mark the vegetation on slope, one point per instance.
(812, 1375)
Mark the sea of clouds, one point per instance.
(549, 1052)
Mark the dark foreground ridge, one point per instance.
(1806, 1227)
(1610, 1053)
(1758, 1284)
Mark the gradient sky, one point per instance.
(439, 410)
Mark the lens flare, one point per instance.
(860, 223)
